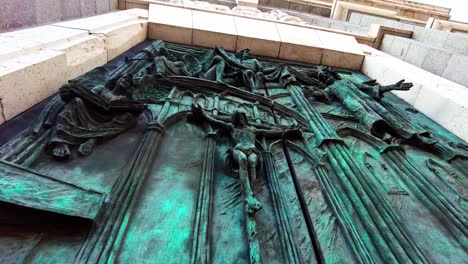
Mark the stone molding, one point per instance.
(264, 37)
(372, 38)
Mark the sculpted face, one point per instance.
(245, 54)
(124, 86)
(239, 119)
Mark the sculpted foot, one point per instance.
(61, 151)
(252, 204)
(86, 148)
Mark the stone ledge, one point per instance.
(101, 22)
(373, 37)
(44, 70)
(260, 37)
(442, 100)
(83, 54)
(211, 30)
(263, 37)
(21, 42)
(170, 24)
(379, 32)
(47, 57)
(123, 37)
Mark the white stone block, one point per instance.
(416, 53)
(434, 38)
(212, 30)
(83, 54)
(100, 22)
(27, 80)
(299, 44)
(261, 37)
(447, 108)
(123, 37)
(456, 69)
(386, 44)
(14, 47)
(20, 42)
(457, 42)
(341, 51)
(321, 23)
(140, 12)
(399, 46)
(339, 42)
(436, 60)
(170, 24)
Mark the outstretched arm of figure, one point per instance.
(371, 87)
(321, 95)
(290, 133)
(400, 86)
(198, 115)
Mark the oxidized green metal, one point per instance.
(191, 155)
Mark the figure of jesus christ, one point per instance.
(245, 155)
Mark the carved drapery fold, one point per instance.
(291, 251)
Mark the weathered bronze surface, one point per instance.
(178, 154)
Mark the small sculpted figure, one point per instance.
(214, 65)
(244, 156)
(93, 114)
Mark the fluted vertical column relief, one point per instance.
(370, 224)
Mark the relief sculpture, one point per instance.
(244, 160)
(181, 154)
(93, 114)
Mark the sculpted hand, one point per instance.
(197, 114)
(400, 86)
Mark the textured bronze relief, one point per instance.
(178, 154)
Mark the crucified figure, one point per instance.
(244, 156)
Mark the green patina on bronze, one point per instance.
(180, 154)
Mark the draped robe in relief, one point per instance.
(86, 115)
(214, 65)
(365, 105)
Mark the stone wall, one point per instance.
(325, 22)
(15, 14)
(445, 59)
(301, 6)
(365, 20)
